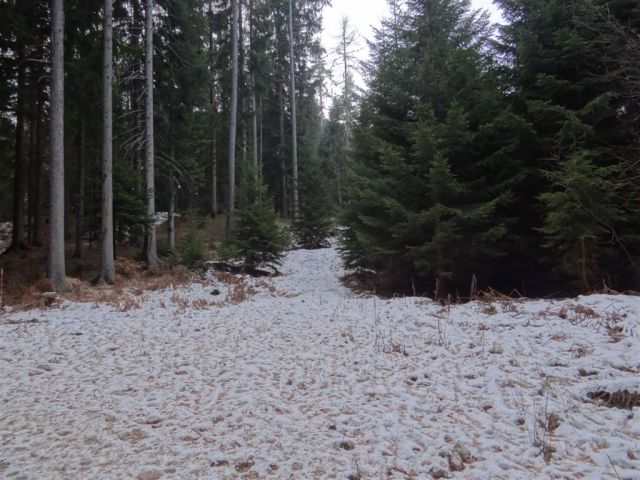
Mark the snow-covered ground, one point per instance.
(298, 378)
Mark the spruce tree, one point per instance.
(258, 240)
(420, 206)
(313, 228)
(572, 88)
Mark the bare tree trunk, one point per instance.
(33, 157)
(261, 150)
(244, 137)
(17, 240)
(294, 123)
(56, 263)
(81, 185)
(231, 220)
(346, 42)
(214, 176)
(339, 183)
(107, 268)
(34, 200)
(150, 251)
(136, 93)
(283, 162)
(254, 112)
(171, 221)
(347, 38)
(212, 101)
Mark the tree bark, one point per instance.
(107, 269)
(254, 112)
(212, 101)
(231, 220)
(56, 263)
(34, 200)
(294, 124)
(171, 221)
(150, 251)
(33, 156)
(17, 239)
(284, 203)
(261, 149)
(81, 188)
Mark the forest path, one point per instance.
(297, 377)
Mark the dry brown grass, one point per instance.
(31, 289)
(25, 272)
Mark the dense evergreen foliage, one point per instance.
(508, 154)
(258, 241)
(511, 159)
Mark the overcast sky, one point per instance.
(365, 13)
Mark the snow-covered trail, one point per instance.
(303, 379)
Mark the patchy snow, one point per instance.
(297, 377)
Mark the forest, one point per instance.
(497, 156)
(232, 251)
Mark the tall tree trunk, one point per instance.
(212, 102)
(339, 182)
(214, 176)
(347, 87)
(17, 240)
(81, 187)
(136, 93)
(294, 124)
(171, 221)
(56, 263)
(261, 150)
(33, 156)
(284, 205)
(107, 268)
(37, 178)
(244, 137)
(254, 112)
(231, 220)
(214, 172)
(150, 251)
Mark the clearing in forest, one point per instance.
(298, 377)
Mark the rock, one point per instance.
(215, 292)
(245, 466)
(438, 472)
(132, 436)
(153, 420)
(465, 454)
(455, 462)
(346, 445)
(149, 474)
(496, 349)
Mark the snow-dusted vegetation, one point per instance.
(298, 377)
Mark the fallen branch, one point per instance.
(240, 268)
